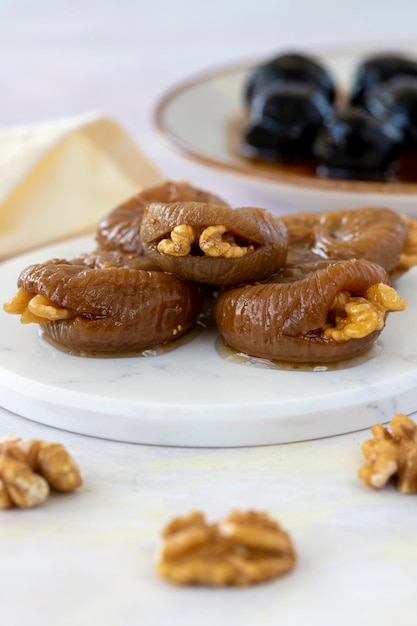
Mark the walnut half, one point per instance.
(29, 467)
(245, 548)
(392, 454)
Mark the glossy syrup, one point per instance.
(241, 358)
(157, 350)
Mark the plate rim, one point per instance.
(327, 185)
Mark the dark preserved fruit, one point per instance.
(284, 121)
(353, 144)
(296, 117)
(290, 67)
(395, 102)
(377, 69)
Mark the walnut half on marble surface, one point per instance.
(243, 549)
(392, 455)
(29, 468)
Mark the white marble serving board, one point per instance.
(192, 396)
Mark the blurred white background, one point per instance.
(119, 56)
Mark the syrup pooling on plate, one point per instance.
(241, 358)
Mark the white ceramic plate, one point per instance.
(200, 117)
(192, 396)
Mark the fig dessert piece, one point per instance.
(329, 314)
(214, 244)
(120, 229)
(375, 234)
(94, 305)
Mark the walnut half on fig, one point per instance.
(105, 302)
(214, 244)
(325, 313)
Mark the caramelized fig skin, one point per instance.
(378, 235)
(116, 309)
(120, 229)
(104, 259)
(283, 319)
(264, 232)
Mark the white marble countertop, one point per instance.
(87, 558)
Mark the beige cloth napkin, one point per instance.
(57, 179)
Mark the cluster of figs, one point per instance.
(303, 288)
(296, 113)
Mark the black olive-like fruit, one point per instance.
(395, 101)
(353, 144)
(284, 121)
(289, 67)
(376, 70)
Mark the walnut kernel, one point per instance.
(392, 455)
(245, 548)
(36, 309)
(357, 317)
(30, 467)
(216, 241)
